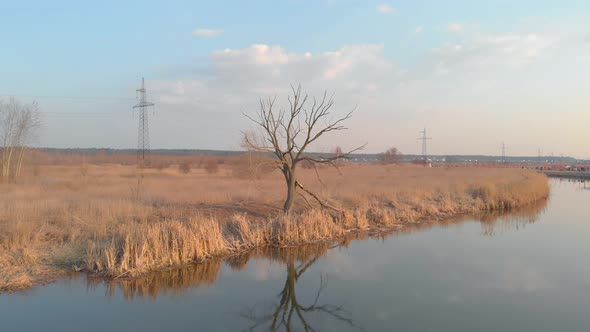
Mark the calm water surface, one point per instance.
(529, 271)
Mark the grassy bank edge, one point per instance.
(136, 249)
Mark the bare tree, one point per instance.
(391, 156)
(287, 134)
(18, 126)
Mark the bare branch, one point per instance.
(322, 203)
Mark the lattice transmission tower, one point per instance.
(424, 138)
(143, 131)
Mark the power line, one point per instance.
(81, 112)
(95, 98)
(77, 114)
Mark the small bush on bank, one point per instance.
(251, 166)
(184, 167)
(211, 167)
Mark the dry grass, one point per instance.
(106, 219)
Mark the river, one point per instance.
(525, 271)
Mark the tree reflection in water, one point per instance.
(289, 313)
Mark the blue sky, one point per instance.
(475, 72)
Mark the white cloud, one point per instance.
(419, 29)
(236, 78)
(272, 63)
(488, 74)
(257, 54)
(455, 27)
(360, 72)
(513, 51)
(207, 32)
(385, 8)
(263, 69)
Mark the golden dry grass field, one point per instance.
(108, 219)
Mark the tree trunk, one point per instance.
(291, 191)
(19, 163)
(6, 162)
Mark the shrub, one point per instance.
(211, 166)
(162, 165)
(391, 156)
(184, 167)
(251, 166)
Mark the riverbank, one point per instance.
(107, 220)
(568, 175)
(179, 280)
